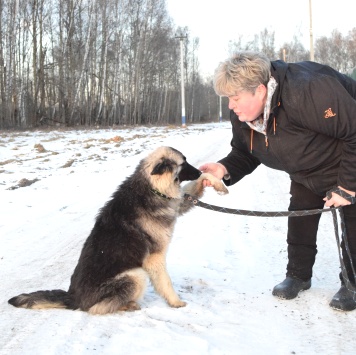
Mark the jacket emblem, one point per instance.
(329, 113)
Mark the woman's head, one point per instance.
(243, 72)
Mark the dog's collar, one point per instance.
(156, 192)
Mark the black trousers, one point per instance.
(302, 233)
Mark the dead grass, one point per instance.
(40, 148)
(68, 164)
(9, 161)
(23, 183)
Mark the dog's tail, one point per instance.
(44, 299)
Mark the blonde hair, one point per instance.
(244, 71)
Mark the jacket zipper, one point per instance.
(266, 137)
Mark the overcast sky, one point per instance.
(216, 22)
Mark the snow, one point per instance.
(224, 266)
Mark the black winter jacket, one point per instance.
(314, 140)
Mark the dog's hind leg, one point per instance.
(155, 266)
(121, 293)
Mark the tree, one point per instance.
(267, 43)
(75, 62)
(351, 48)
(293, 51)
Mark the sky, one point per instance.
(217, 22)
(224, 266)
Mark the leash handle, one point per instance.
(341, 193)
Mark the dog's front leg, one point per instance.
(196, 188)
(155, 266)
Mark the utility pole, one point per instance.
(311, 32)
(220, 110)
(182, 78)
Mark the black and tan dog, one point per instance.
(129, 240)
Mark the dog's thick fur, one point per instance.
(129, 240)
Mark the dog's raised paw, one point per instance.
(220, 188)
(217, 184)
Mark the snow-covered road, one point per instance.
(224, 266)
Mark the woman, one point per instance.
(299, 118)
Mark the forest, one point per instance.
(117, 62)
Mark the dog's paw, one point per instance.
(178, 304)
(131, 307)
(217, 184)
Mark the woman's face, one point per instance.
(248, 106)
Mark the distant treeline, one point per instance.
(81, 62)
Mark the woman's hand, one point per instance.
(336, 200)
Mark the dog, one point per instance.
(130, 239)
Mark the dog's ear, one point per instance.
(166, 165)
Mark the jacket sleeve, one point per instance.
(239, 162)
(329, 108)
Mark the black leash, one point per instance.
(351, 287)
(240, 212)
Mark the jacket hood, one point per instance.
(275, 85)
(278, 71)
(260, 123)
